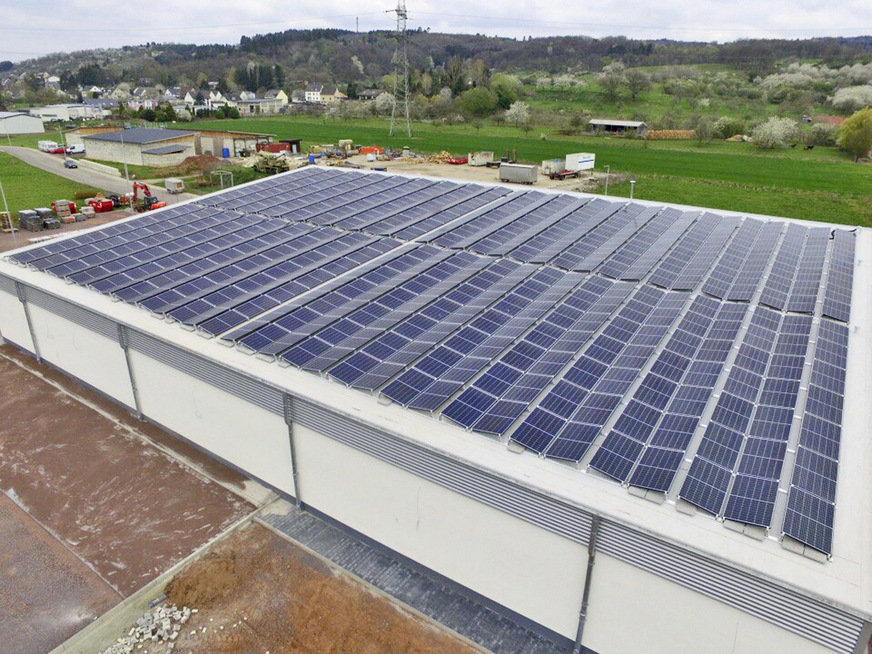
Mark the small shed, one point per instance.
(16, 122)
(614, 126)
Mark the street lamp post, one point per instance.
(8, 213)
(608, 171)
(632, 185)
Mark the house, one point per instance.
(17, 122)
(369, 94)
(142, 146)
(53, 82)
(330, 95)
(313, 93)
(104, 105)
(612, 126)
(298, 96)
(120, 93)
(248, 95)
(259, 107)
(279, 95)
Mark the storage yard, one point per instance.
(489, 361)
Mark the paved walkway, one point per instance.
(54, 163)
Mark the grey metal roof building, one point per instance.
(139, 135)
(496, 383)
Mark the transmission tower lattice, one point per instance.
(400, 111)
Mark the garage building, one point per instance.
(621, 422)
(15, 122)
(141, 146)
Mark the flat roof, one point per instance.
(375, 217)
(139, 135)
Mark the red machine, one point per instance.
(148, 201)
(101, 205)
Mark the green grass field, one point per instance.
(821, 184)
(27, 187)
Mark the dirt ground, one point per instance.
(258, 592)
(98, 510)
(586, 183)
(46, 592)
(22, 238)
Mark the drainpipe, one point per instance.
(585, 598)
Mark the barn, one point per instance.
(140, 146)
(622, 423)
(16, 122)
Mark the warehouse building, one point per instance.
(628, 425)
(614, 126)
(15, 122)
(141, 146)
(228, 143)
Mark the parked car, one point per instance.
(69, 163)
(76, 148)
(58, 150)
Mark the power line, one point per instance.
(650, 27)
(186, 28)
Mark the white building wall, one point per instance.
(634, 611)
(21, 125)
(527, 569)
(96, 360)
(13, 321)
(239, 432)
(114, 151)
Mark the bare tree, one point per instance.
(612, 79)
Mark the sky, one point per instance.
(30, 28)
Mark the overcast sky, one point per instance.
(29, 28)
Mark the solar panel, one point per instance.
(840, 280)
(586, 330)
(811, 498)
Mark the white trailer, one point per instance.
(519, 173)
(47, 146)
(580, 161)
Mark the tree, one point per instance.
(506, 87)
(519, 115)
(479, 101)
(704, 128)
(612, 79)
(855, 136)
(637, 82)
(279, 75)
(774, 133)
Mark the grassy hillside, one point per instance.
(817, 185)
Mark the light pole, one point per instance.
(8, 213)
(632, 185)
(608, 171)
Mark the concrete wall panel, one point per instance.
(13, 322)
(93, 358)
(533, 572)
(249, 437)
(633, 611)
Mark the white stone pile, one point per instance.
(156, 631)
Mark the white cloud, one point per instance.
(33, 28)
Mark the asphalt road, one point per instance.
(54, 163)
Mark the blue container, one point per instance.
(226, 153)
(311, 158)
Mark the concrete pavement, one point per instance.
(54, 163)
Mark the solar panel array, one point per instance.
(681, 352)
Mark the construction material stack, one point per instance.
(29, 220)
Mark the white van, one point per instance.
(76, 148)
(47, 146)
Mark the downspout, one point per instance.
(585, 598)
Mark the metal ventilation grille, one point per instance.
(72, 312)
(529, 505)
(258, 393)
(7, 285)
(783, 607)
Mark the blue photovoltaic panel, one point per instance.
(812, 495)
(543, 317)
(840, 281)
